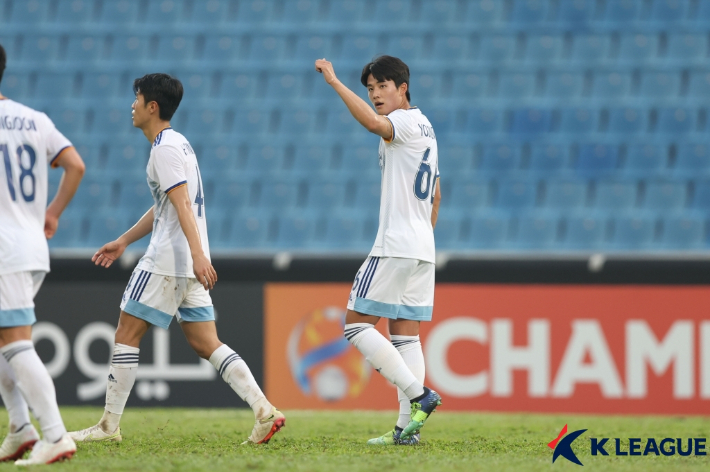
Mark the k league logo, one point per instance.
(564, 446)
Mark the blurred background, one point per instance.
(574, 145)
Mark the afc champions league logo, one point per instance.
(323, 363)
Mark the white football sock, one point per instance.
(410, 349)
(236, 373)
(121, 377)
(17, 410)
(384, 357)
(36, 386)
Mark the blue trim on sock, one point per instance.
(149, 314)
(17, 317)
(415, 313)
(371, 307)
(202, 313)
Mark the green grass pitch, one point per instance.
(209, 440)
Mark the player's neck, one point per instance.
(2, 97)
(404, 105)
(152, 130)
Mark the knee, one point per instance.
(204, 348)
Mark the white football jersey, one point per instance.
(28, 141)
(410, 167)
(173, 164)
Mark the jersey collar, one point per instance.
(160, 136)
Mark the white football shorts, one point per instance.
(17, 293)
(158, 298)
(395, 288)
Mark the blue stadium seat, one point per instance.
(615, 195)
(668, 11)
(197, 86)
(392, 13)
(692, 160)
(218, 160)
(339, 122)
(636, 48)
(699, 84)
(590, 48)
(94, 193)
(69, 118)
(312, 159)
(285, 86)
(84, 50)
(627, 121)
(702, 14)
(633, 232)
(611, 85)
(686, 48)
(448, 48)
(343, 13)
(442, 119)
(302, 12)
(622, 12)
(237, 86)
(278, 194)
(164, 12)
(211, 13)
(516, 194)
(484, 121)
(112, 120)
(105, 226)
(597, 159)
(676, 121)
(39, 49)
(547, 158)
(578, 120)
(646, 159)
(483, 13)
(665, 196)
(310, 46)
(69, 233)
(537, 231)
(701, 195)
(543, 49)
(529, 12)
(252, 122)
(564, 85)
(468, 85)
(175, 50)
(577, 13)
(96, 85)
(447, 232)
(683, 232)
(356, 49)
(55, 86)
(254, 12)
(90, 154)
(261, 159)
(358, 159)
(325, 195)
(345, 231)
(438, 12)
(367, 195)
(487, 232)
(584, 232)
(248, 231)
(500, 158)
(496, 49)
(470, 194)
(563, 194)
(425, 87)
(135, 195)
(121, 12)
(127, 157)
(129, 49)
(458, 162)
(267, 49)
(516, 85)
(202, 121)
(29, 13)
(531, 121)
(75, 12)
(297, 122)
(232, 195)
(295, 232)
(660, 85)
(222, 49)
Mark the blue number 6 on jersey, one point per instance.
(422, 183)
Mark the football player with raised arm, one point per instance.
(28, 141)
(396, 281)
(175, 275)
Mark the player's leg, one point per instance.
(144, 303)
(404, 335)
(197, 321)
(26, 372)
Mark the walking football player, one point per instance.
(396, 281)
(172, 279)
(28, 140)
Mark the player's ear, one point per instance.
(403, 88)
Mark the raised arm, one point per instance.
(360, 110)
(109, 252)
(435, 206)
(74, 169)
(201, 265)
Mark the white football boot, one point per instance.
(95, 433)
(45, 452)
(266, 427)
(16, 444)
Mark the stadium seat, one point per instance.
(84, 50)
(391, 13)
(237, 86)
(447, 232)
(676, 121)
(483, 12)
(325, 195)
(425, 87)
(51, 87)
(683, 232)
(97, 191)
(615, 195)
(279, 194)
(254, 12)
(458, 162)
(537, 231)
(665, 196)
(622, 12)
(252, 122)
(529, 12)
(439, 12)
(562, 194)
(70, 118)
(367, 195)
(597, 159)
(197, 86)
(112, 121)
(583, 232)
(441, 119)
(578, 120)
(282, 87)
(105, 226)
(611, 85)
(546, 158)
(531, 121)
(470, 194)
(357, 160)
(164, 13)
(129, 49)
(30, 12)
(564, 85)
(470, 85)
(175, 50)
(692, 160)
(633, 232)
(344, 13)
(295, 232)
(301, 12)
(69, 233)
(310, 46)
(202, 121)
(577, 13)
(638, 48)
(516, 194)
(128, 156)
(590, 49)
(656, 85)
(627, 121)
(345, 232)
(218, 160)
(699, 84)
(260, 159)
(449, 48)
(231, 195)
(135, 195)
(223, 49)
(543, 49)
(686, 48)
(312, 159)
(496, 49)
(120, 12)
(646, 159)
(267, 49)
(516, 85)
(39, 49)
(500, 158)
(297, 122)
(248, 231)
(76, 12)
(668, 11)
(486, 232)
(701, 195)
(98, 85)
(211, 13)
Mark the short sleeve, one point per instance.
(55, 141)
(169, 168)
(402, 126)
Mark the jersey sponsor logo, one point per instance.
(17, 123)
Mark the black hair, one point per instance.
(387, 68)
(3, 61)
(163, 89)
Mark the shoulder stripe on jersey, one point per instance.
(179, 184)
(160, 136)
(54, 162)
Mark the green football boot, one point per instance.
(392, 438)
(421, 410)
